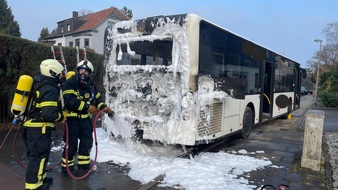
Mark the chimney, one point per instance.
(75, 14)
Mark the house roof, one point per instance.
(93, 20)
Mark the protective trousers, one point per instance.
(38, 150)
(82, 129)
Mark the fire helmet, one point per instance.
(51, 68)
(88, 66)
(85, 64)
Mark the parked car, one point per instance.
(304, 91)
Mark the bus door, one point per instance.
(297, 85)
(267, 93)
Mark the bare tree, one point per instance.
(328, 56)
(84, 12)
(331, 32)
(329, 53)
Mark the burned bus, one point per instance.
(181, 79)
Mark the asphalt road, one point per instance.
(280, 139)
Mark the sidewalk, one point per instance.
(282, 143)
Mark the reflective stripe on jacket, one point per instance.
(47, 108)
(78, 96)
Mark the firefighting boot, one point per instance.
(72, 170)
(48, 180)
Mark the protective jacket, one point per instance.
(47, 107)
(79, 95)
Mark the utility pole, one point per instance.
(318, 66)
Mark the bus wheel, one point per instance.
(247, 123)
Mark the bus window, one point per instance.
(145, 53)
(284, 75)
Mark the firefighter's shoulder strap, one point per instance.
(33, 96)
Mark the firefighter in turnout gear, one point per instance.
(81, 101)
(46, 111)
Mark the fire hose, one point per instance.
(5, 139)
(66, 149)
(96, 151)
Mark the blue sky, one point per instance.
(288, 27)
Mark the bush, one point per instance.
(329, 99)
(20, 56)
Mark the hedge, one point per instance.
(21, 56)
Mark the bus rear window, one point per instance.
(146, 53)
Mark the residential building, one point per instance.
(86, 31)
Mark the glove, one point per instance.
(92, 109)
(107, 110)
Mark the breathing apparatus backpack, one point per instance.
(22, 98)
(25, 97)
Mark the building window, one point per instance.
(59, 44)
(77, 42)
(71, 44)
(61, 29)
(68, 27)
(86, 42)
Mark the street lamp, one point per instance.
(319, 56)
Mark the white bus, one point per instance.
(181, 79)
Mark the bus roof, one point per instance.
(148, 26)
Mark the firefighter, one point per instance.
(81, 101)
(46, 111)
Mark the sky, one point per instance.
(288, 27)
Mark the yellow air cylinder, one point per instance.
(21, 95)
(70, 74)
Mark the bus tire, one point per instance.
(247, 123)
